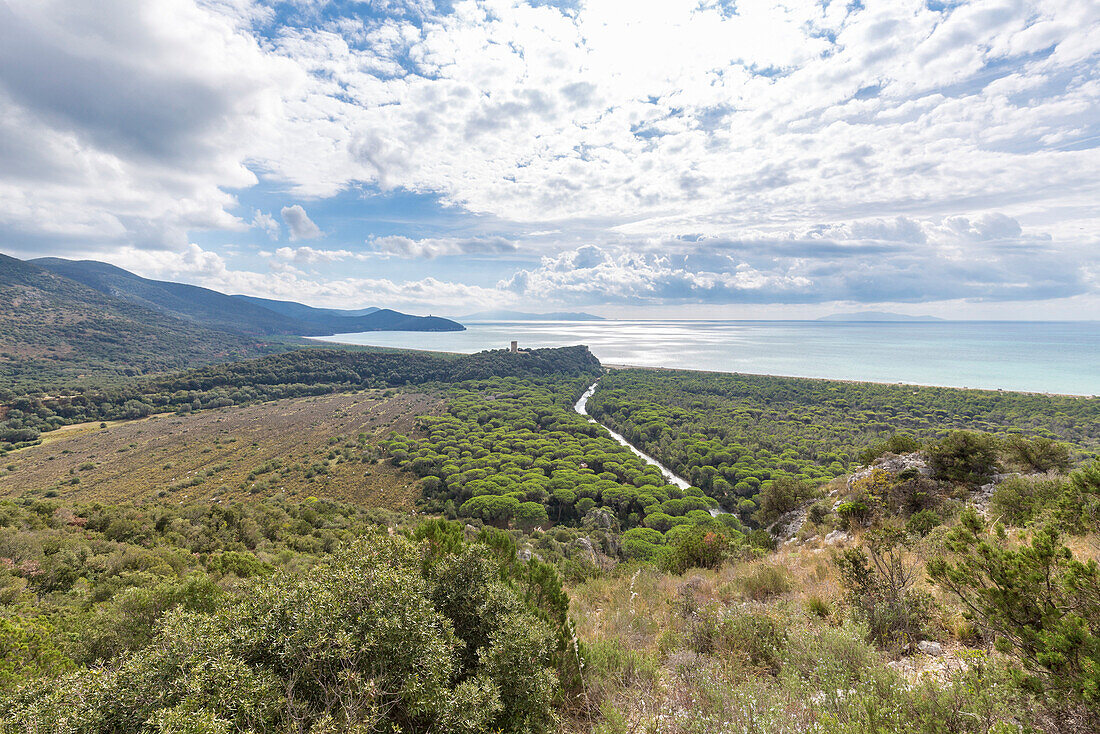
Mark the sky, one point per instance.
(629, 158)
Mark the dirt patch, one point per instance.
(318, 446)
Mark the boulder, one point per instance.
(892, 464)
(928, 647)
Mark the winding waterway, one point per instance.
(582, 408)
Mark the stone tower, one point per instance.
(515, 346)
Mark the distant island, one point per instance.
(502, 315)
(876, 316)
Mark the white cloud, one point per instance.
(432, 247)
(299, 224)
(797, 138)
(125, 124)
(310, 256)
(267, 223)
(416, 296)
(190, 263)
(986, 257)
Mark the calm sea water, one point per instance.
(1062, 357)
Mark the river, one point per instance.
(582, 408)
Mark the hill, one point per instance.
(245, 315)
(303, 312)
(55, 329)
(503, 315)
(876, 316)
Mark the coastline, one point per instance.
(850, 381)
(1006, 360)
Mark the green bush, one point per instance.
(780, 497)
(763, 580)
(965, 457)
(1019, 500)
(374, 638)
(29, 650)
(879, 582)
(642, 544)
(898, 443)
(1039, 454)
(706, 545)
(1041, 603)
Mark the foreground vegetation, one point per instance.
(945, 580)
(317, 616)
(250, 619)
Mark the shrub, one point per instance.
(1019, 500)
(818, 606)
(879, 580)
(854, 512)
(28, 650)
(780, 497)
(610, 666)
(829, 657)
(921, 523)
(965, 457)
(1037, 454)
(762, 539)
(898, 443)
(1043, 605)
(700, 546)
(373, 639)
(642, 544)
(757, 638)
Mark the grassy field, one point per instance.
(319, 446)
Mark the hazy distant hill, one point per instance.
(502, 315)
(54, 328)
(306, 313)
(243, 314)
(876, 316)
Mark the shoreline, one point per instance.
(331, 340)
(850, 381)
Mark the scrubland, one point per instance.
(464, 553)
(325, 446)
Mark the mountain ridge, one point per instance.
(55, 328)
(239, 314)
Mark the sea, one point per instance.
(1054, 357)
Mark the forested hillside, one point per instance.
(234, 313)
(54, 331)
(514, 452)
(64, 323)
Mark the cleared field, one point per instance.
(318, 446)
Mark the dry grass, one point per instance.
(212, 454)
(764, 645)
